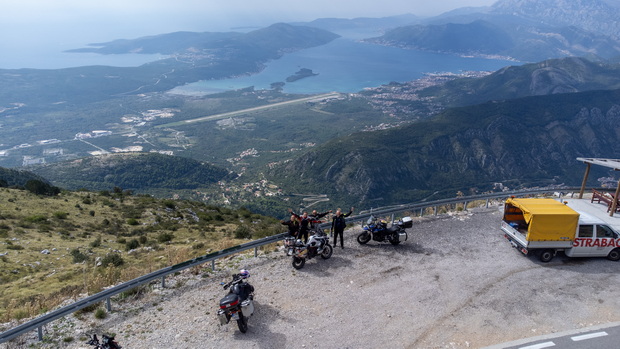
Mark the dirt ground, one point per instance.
(456, 283)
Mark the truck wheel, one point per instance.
(546, 255)
(614, 255)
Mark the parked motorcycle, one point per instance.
(238, 304)
(378, 230)
(290, 241)
(106, 343)
(318, 244)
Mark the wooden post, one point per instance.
(585, 178)
(614, 203)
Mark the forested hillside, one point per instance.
(522, 142)
(135, 171)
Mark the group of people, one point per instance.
(300, 225)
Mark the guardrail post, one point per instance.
(487, 204)
(421, 212)
(256, 251)
(213, 265)
(435, 210)
(163, 281)
(40, 331)
(465, 205)
(108, 305)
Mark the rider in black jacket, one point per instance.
(293, 225)
(338, 225)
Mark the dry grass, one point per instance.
(98, 227)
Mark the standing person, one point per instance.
(293, 225)
(338, 225)
(315, 220)
(304, 225)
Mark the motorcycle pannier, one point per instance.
(407, 222)
(247, 307)
(221, 315)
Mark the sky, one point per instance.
(65, 24)
(156, 16)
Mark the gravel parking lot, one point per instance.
(456, 283)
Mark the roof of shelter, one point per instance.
(611, 163)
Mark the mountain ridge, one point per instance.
(522, 142)
(527, 30)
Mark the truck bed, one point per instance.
(518, 237)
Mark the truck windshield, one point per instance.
(603, 231)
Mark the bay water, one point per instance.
(347, 65)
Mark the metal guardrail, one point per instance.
(105, 295)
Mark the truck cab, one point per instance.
(594, 238)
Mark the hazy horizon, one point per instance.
(32, 29)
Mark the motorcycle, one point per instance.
(290, 241)
(379, 231)
(318, 244)
(107, 342)
(238, 304)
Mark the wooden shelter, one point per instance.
(609, 163)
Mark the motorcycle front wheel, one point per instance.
(298, 263)
(243, 324)
(363, 238)
(327, 251)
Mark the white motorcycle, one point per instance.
(318, 244)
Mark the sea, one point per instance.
(348, 65)
(344, 65)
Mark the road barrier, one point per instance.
(105, 295)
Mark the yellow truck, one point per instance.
(543, 227)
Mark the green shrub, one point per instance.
(132, 244)
(60, 215)
(132, 221)
(96, 242)
(100, 313)
(78, 256)
(164, 237)
(114, 259)
(243, 232)
(36, 219)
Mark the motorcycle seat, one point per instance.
(229, 299)
(392, 229)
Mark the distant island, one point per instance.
(302, 73)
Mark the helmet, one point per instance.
(244, 274)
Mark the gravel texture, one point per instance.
(456, 283)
